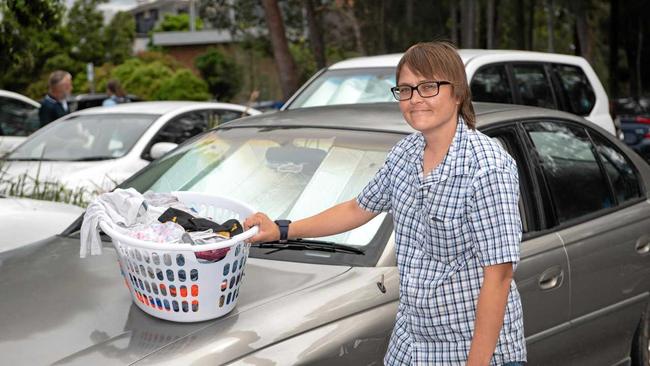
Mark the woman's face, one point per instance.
(428, 115)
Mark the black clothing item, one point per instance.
(50, 110)
(230, 228)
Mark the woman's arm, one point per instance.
(490, 311)
(337, 219)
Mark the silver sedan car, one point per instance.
(584, 274)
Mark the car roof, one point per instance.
(22, 98)
(160, 108)
(467, 55)
(385, 116)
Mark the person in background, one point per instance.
(54, 105)
(115, 94)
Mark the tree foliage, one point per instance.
(85, 29)
(178, 22)
(118, 36)
(221, 73)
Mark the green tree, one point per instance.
(30, 33)
(85, 26)
(183, 85)
(119, 35)
(221, 73)
(179, 22)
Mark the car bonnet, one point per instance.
(58, 308)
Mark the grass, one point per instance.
(26, 186)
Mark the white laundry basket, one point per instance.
(167, 281)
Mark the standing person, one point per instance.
(115, 93)
(55, 105)
(454, 194)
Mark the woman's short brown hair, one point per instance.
(440, 60)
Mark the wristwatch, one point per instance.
(283, 225)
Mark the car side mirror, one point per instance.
(161, 148)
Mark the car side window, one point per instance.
(220, 116)
(570, 168)
(490, 84)
(620, 171)
(578, 93)
(17, 118)
(533, 85)
(183, 127)
(507, 138)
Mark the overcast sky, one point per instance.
(112, 7)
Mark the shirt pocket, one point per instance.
(446, 229)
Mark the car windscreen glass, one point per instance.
(285, 173)
(371, 85)
(84, 138)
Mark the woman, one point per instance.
(453, 193)
(115, 93)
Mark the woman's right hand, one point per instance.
(268, 230)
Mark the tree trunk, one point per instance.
(490, 23)
(283, 59)
(315, 34)
(520, 21)
(453, 14)
(531, 25)
(613, 49)
(550, 15)
(582, 29)
(468, 24)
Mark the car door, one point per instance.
(542, 276)
(605, 231)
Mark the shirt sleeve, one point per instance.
(376, 197)
(494, 217)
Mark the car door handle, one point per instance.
(551, 278)
(642, 246)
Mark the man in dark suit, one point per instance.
(54, 105)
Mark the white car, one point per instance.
(546, 80)
(18, 119)
(95, 149)
(24, 221)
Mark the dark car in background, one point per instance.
(633, 115)
(83, 101)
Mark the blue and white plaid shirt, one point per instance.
(461, 217)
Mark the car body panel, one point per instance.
(24, 220)
(608, 272)
(80, 309)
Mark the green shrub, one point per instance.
(222, 74)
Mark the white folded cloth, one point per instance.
(118, 207)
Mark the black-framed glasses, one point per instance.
(426, 89)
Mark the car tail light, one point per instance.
(646, 136)
(642, 119)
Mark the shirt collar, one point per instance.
(453, 163)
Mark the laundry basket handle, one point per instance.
(115, 234)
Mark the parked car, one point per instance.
(583, 275)
(18, 118)
(90, 100)
(24, 220)
(97, 148)
(633, 115)
(548, 80)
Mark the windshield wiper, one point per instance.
(94, 158)
(308, 244)
(28, 159)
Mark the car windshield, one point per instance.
(285, 173)
(85, 137)
(371, 85)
